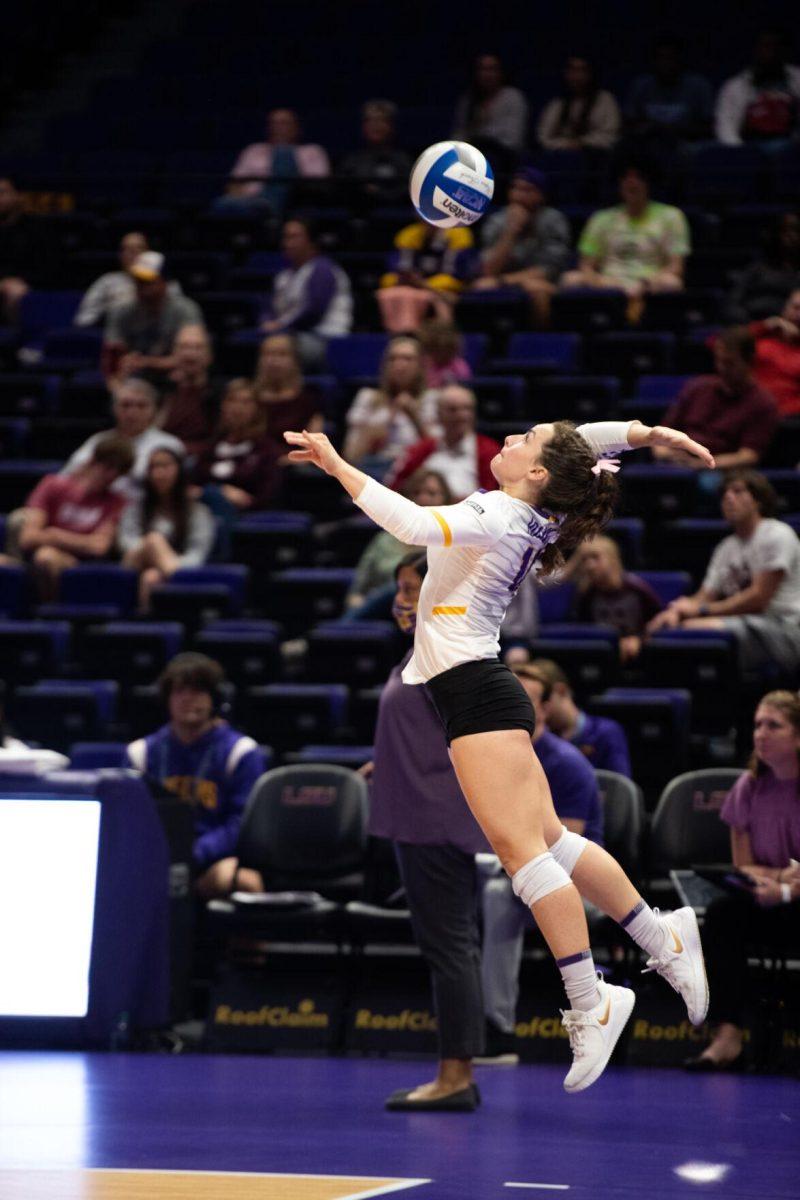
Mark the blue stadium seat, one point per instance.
(249, 656)
(92, 756)
(542, 353)
(85, 394)
(133, 652)
(40, 311)
(716, 172)
(199, 271)
(657, 491)
(500, 397)
(14, 593)
(56, 713)
(555, 602)
(588, 310)
(590, 664)
(474, 349)
(19, 478)
(14, 437)
(342, 756)
(30, 650)
(190, 604)
(27, 394)
(574, 398)
(678, 311)
(657, 723)
(688, 543)
(233, 576)
(305, 596)
(668, 585)
(100, 583)
(497, 312)
(290, 715)
(356, 354)
(229, 314)
(310, 491)
(54, 436)
(571, 631)
(660, 387)
(631, 354)
(363, 652)
(268, 540)
(72, 349)
(628, 533)
(705, 664)
(787, 485)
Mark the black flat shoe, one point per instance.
(705, 1065)
(467, 1100)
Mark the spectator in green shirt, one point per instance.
(638, 246)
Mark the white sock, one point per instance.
(580, 980)
(646, 928)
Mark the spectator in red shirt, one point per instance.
(776, 366)
(74, 517)
(460, 455)
(729, 411)
(610, 595)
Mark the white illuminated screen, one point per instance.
(48, 868)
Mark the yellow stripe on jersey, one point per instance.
(449, 610)
(446, 530)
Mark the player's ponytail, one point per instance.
(584, 498)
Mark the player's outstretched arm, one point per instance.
(671, 439)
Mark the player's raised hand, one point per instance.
(677, 443)
(314, 448)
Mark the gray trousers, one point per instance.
(441, 889)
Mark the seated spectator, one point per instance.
(752, 586)
(262, 174)
(27, 257)
(527, 243)
(205, 763)
(763, 812)
(442, 345)
(311, 298)
(600, 739)
(164, 529)
(73, 518)
(761, 103)
(114, 288)
(776, 364)
(577, 802)
(492, 115)
(382, 422)
(281, 393)
(610, 595)
(139, 336)
(379, 167)
(238, 469)
(190, 400)
(669, 104)
(377, 566)
(429, 269)
(459, 452)
(730, 412)
(135, 403)
(763, 287)
(638, 246)
(584, 116)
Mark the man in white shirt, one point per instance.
(135, 405)
(460, 454)
(752, 584)
(761, 103)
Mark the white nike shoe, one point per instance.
(594, 1034)
(681, 962)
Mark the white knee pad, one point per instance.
(538, 878)
(568, 849)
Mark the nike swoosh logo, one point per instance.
(678, 944)
(604, 1019)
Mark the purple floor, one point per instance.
(623, 1138)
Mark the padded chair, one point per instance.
(660, 387)
(628, 533)
(589, 310)
(500, 397)
(269, 541)
(249, 656)
(689, 542)
(23, 394)
(539, 354)
(676, 311)
(656, 723)
(704, 664)
(341, 543)
(574, 397)
(100, 583)
(589, 664)
(686, 826)
(658, 492)
(91, 756)
(56, 713)
(340, 756)
(310, 491)
(363, 715)
(40, 311)
(356, 354)
(555, 602)
(668, 585)
(623, 820)
(363, 652)
(131, 652)
(72, 349)
(228, 313)
(290, 715)
(57, 437)
(195, 595)
(630, 354)
(30, 650)
(305, 596)
(14, 593)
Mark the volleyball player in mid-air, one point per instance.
(555, 489)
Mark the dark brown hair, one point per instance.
(192, 670)
(738, 340)
(115, 452)
(583, 499)
(757, 485)
(177, 503)
(788, 705)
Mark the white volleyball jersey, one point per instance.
(479, 551)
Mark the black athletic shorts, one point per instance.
(480, 696)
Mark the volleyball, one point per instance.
(451, 184)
